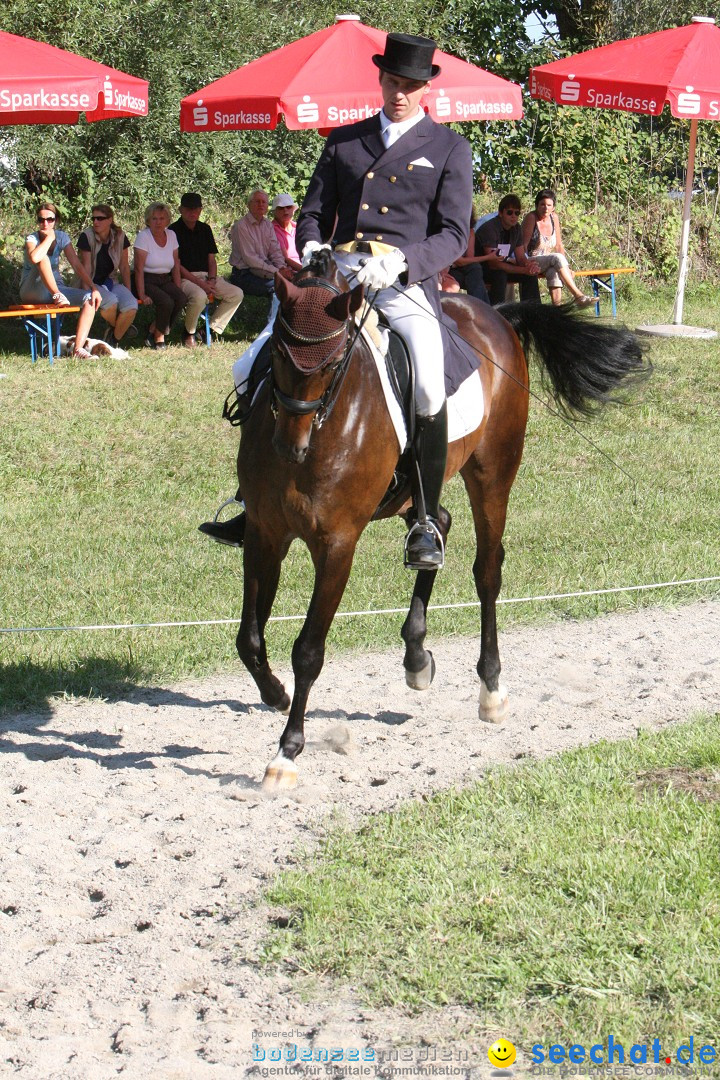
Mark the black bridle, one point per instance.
(338, 360)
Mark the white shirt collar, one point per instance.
(396, 130)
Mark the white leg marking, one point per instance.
(280, 774)
(493, 704)
(420, 680)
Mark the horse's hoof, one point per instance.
(279, 699)
(421, 680)
(280, 775)
(493, 706)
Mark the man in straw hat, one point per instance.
(401, 187)
(394, 193)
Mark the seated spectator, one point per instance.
(283, 208)
(157, 273)
(255, 254)
(41, 282)
(542, 241)
(198, 271)
(467, 270)
(501, 239)
(103, 250)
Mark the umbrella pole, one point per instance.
(685, 236)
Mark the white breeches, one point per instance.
(409, 312)
(243, 365)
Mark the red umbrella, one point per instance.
(40, 84)
(680, 67)
(327, 80)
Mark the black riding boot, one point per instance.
(424, 548)
(231, 532)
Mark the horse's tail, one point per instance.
(584, 361)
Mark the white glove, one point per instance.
(310, 248)
(381, 271)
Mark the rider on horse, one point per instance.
(394, 193)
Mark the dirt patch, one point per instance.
(702, 784)
(136, 841)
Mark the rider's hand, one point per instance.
(381, 271)
(310, 248)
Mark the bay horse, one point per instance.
(319, 451)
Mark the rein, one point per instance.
(322, 406)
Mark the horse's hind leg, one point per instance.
(418, 661)
(332, 569)
(488, 498)
(262, 564)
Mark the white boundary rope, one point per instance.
(356, 614)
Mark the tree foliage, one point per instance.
(615, 165)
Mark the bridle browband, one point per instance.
(322, 406)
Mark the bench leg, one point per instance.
(206, 321)
(50, 337)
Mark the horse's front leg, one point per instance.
(332, 569)
(418, 661)
(262, 560)
(489, 511)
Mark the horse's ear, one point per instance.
(340, 307)
(356, 297)
(286, 292)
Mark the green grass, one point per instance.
(107, 467)
(560, 901)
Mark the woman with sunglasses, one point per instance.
(41, 282)
(103, 250)
(542, 242)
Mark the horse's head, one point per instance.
(310, 349)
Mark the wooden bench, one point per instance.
(49, 333)
(604, 279)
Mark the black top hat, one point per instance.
(409, 57)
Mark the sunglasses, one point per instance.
(514, 213)
(101, 217)
(44, 219)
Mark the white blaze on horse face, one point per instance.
(493, 704)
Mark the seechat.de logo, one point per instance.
(200, 115)
(688, 103)
(570, 91)
(308, 112)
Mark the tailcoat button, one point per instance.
(366, 206)
(383, 209)
(359, 235)
(370, 175)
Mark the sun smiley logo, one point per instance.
(502, 1054)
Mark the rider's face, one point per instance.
(401, 97)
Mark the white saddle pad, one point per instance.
(465, 407)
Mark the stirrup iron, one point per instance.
(427, 526)
(227, 502)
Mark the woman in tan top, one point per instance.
(542, 242)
